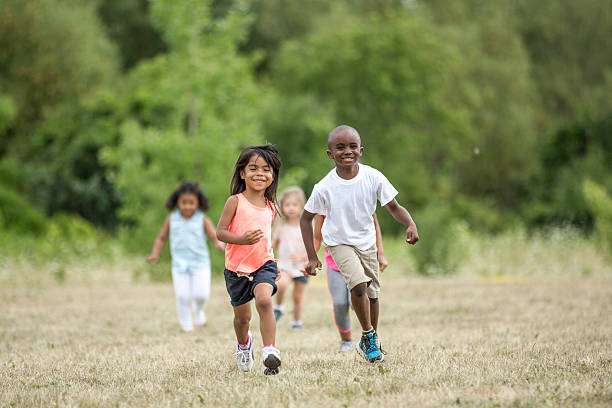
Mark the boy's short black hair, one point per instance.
(340, 129)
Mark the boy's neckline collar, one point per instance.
(348, 179)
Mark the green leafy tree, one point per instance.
(385, 77)
(51, 51)
(65, 172)
(577, 151)
(571, 53)
(129, 25)
(191, 111)
(492, 87)
(600, 202)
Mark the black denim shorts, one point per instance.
(240, 288)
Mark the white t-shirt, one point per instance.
(349, 205)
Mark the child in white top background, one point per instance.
(187, 228)
(291, 253)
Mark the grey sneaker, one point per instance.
(278, 313)
(244, 356)
(271, 360)
(296, 324)
(345, 346)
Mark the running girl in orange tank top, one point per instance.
(250, 270)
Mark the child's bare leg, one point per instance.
(298, 296)
(374, 306)
(361, 303)
(242, 318)
(282, 284)
(263, 303)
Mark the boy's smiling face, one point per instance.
(344, 148)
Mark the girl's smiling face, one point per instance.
(187, 204)
(292, 207)
(258, 174)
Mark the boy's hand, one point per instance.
(412, 235)
(311, 267)
(251, 237)
(382, 262)
(152, 258)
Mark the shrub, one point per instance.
(600, 203)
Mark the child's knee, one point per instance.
(200, 298)
(263, 303)
(183, 300)
(243, 320)
(341, 308)
(359, 290)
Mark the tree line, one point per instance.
(490, 114)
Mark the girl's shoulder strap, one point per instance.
(271, 206)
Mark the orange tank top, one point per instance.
(247, 259)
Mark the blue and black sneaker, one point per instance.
(368, 348)
(377, 342)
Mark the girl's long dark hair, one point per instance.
(267, 152)
(187, 187)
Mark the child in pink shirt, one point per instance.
(250, 270)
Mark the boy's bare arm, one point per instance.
(160, 241)
(402, 216)
(306, 227)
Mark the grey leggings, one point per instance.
(341, 298)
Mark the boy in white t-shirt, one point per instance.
(348, 196)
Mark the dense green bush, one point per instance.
(16, 213)
(600, 203)
(578, 151)
(441, 239)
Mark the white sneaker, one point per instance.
(345, 346)
(271, 360)
(200, 319)
(244, 356)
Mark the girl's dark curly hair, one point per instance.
(267, 152)
(188, 187)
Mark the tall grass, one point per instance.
(558, 251)
(88, 257)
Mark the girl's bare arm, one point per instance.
(160, 241)
(382, 261)
(318, 224)
(209, 228)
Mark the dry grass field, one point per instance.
(452, 342)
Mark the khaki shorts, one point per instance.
(357, 267)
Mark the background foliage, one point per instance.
(487, 116)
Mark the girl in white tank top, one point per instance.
(291, 253)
